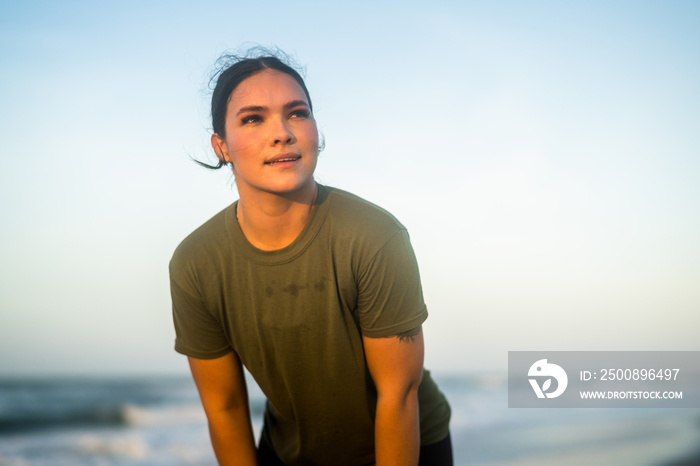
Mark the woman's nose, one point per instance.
(282, 134)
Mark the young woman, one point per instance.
(314, 290)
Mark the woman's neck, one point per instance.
(273, 221)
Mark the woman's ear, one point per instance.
(219, 146)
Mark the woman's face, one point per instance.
(271, 136)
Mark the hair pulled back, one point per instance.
(232, 69)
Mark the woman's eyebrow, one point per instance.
(261, 108)
(251, 108)
(295, 103)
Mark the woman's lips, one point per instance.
(285, 158)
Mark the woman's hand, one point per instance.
(223, 392)
(396, 366)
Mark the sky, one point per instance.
(544, 156)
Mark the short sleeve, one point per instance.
(390, 297)
(197, 332)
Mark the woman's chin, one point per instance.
(279, 187)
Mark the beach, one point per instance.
(159, 421)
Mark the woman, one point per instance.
(314, 290)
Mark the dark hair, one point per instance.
(232, 70)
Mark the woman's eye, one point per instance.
(301, 113)
(251, 119)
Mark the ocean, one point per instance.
(159, 421)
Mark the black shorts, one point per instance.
(435, 454)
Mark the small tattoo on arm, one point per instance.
(408, 335)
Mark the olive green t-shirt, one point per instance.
(296, 317)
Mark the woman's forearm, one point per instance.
(397, 430)
(222, 389)
(232, 437)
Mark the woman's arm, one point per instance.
(223, 392)
(396, 366)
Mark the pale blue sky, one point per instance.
(544, 155)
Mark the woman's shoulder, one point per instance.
(353, 214)
(204, 241)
